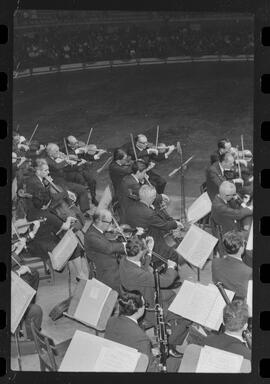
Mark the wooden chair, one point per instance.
(37, 262)
(50, 355)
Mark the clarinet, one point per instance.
(223, 292)
(161, 328)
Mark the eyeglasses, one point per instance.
(234, 194)
(108, 222)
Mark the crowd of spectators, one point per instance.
(63, 45)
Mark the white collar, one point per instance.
(140, 149)
(131, 318)
(225, 201)
(221, 168)
(40, 178)
(134, 262)
(98, 229)
(235, 336)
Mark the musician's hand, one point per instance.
(151, 151)
(35, 227)
(83, 161)
(150, 243)
(172, 264)
(171, 149)
(238, 180)
(101, 152)
(41, 147)
(66, 225)
(250, 179)
(179, 224)
(140, 231)
(23, 270)
(19, 246)
(165, 198)
(155, 351)
(246, 199)
(49, 178)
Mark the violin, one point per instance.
(90, 149)
(161, 147)
(124, 233)
(21, 226)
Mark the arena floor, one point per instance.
(196, 104)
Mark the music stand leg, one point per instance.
(69, 281)
(198, 274)
(18, 348)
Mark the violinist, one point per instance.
(103, 252)
(128, 191)
(218, 172)
(62, 173)
(235, 320)
(88, 152)
(119, 168)
(149, 155)
(223, 146)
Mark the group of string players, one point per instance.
(51, 190)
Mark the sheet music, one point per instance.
(116, 360)
(197, 246)
(213, 360)
(64, 250)
(249, 297)
(249, 246)
(92, 302)
(21, 296)
(106, 198)
(199, 208)
(200, 303)
(83, 352)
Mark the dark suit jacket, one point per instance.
(214, 178)
(226, 216)
(232, 273)
(133, 277)
(229, 344)
(125, 331)
(143, 154)
(127, 191)
(37, 189)
(117, 173)
(104, 254)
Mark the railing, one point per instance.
(127, 63)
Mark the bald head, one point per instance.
(52, 149)
(147, 194)
(227, 190)
(102, 219)
(72, 140)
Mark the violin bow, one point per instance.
(239, 167)
(88, 138)
(66, 148)
(34, 131)
(178, 169)
(107, 162)
(242, 146)
(13, 258)
(133, 147)
(17, 70)
(15, 230)
(118, 227)
(157, 135)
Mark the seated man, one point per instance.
(63, 172)
(216, 174)
(135, 274)
(128, 191)
(223, 146)
(224, 214)
(150, 155)
(143, 214)
(124, 329)
(103, 252)
(230, 270)
(119, 168)
(235, 319)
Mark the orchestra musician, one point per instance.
(223, 146)
(119, 168)
(150, 155)
(124, 329)
(235, 320)
(102, 251)
(216, 174)
(88, 152)
(62, 173)
(136, 274)
(225, 214)
(230, 270)
(143, 214)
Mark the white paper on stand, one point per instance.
(199, 208)
(213, 360)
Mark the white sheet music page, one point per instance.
(194, 301)
(64, 249)
(92, 302)
(21, 295)
(215, 317)
(249, 297)
(197, 246)
(113, 359)
(199, 208)
(213, 360)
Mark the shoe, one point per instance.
(174, 353)
(94, 201)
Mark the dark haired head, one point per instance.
(119, 154)
(235, 315)
(221, 143)
(232, 242)
(134, 246)
(130, 302)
